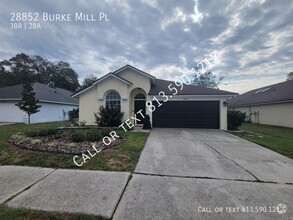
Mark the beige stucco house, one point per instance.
(272, 105)
(168, 104)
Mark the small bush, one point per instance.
(77, 136)
(73, 115)
(108, 116)
(235, 119)
(18, 136)
(36, 141)
(41, 133)
(93, 135)
(32, 133)
(58, 135)
(82, 123)
(46, 132)
(26, 140)
(89, 135)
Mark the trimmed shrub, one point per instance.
(235, 119)
(89, 135)
(32, 133)
(41, 133)
(77, 136)
(46, 132)
(93, 135)
(108, 116)
(73, 115)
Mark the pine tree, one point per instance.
(28, 102)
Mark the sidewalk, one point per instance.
(6, 123)
(61, 190)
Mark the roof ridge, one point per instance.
(213, 89)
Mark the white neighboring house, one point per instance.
(55, 104)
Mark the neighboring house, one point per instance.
(129, 88)
(55, 104)
(272, 105)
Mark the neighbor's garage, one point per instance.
(187, 114)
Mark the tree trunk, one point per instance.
(29, 119)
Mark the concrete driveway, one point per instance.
(212, 154)
(207, 174)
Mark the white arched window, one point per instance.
(113, 99)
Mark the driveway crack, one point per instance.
(207, 178)
(258, 180)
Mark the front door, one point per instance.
(139, 104)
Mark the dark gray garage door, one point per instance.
(187, 114)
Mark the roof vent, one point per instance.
(266, 89)
(262, 90)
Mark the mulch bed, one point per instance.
(61, 143)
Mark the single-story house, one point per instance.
(272, 105)
(55, 104)
(133, 90)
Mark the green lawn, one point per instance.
(279, 139)
(119, 158)
(19, 214)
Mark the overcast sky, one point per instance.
(253, 40)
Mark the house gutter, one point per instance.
(261, 103)
(45, 101)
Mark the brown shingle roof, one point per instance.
(162, 85)
(280, 92)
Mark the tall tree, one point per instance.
(290, 76)
(64, 77)
(88, 81)
(17, 70)
(28, 103)
(22, 68)
(207, 80)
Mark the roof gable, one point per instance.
(135, 69)
(100, 80)
(114, 76)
